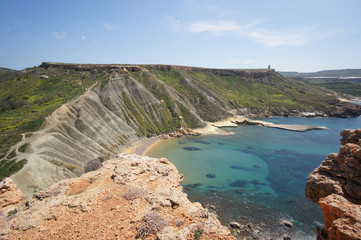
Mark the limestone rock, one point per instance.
(9, 195)
(342, 217)
(336, 186)
(99, 206)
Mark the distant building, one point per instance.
(269, 66)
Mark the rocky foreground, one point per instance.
(127, 198)
(336, 186)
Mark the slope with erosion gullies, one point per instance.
(95, 110)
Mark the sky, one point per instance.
(289, 35)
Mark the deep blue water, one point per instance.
(259, 174)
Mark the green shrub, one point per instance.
(11, 155)
(23, 147)
(9, 167)
(13, 212)
(197, 234)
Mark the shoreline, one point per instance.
(145, 145)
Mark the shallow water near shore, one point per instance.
(259, 174)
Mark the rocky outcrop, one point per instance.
(129, 197)
(9, 195)
(336, 186)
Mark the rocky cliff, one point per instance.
(336, 186)
(127, 198)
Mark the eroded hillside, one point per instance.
(95, 110)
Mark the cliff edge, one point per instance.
(336, 186)
(129, 197)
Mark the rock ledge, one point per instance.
(129, 197)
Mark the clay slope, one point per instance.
(96, 124)
(129, 197)
(336, 186)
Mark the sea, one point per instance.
(257, 176)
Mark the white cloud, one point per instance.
(110, 26)
(83, 37)
(268, 38)
(214, 28)
(60, 35)
(291, 37)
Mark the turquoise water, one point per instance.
(258, 175)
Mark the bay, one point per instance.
(259, 174)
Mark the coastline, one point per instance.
(145, 145)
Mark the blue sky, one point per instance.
(297, 35)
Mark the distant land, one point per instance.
(345, 81)
(342, 73)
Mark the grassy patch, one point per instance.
(26, 99)
(197, 234)
(27, 135)
(23, 147)
(13, 212)
(341, 86)
(9, 167)
(11, 155)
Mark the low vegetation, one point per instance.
(23, 147)
(92, 165)
(13, 212)
(347, 81)
(152, 223)
(26, 98)
(340, 86)
(132, 193)
(197, 234)
(9, 167)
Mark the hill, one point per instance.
(345, 81)
(342, 73)
(56, 117)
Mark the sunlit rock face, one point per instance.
(336, 186)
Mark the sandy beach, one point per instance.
(145, 145)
